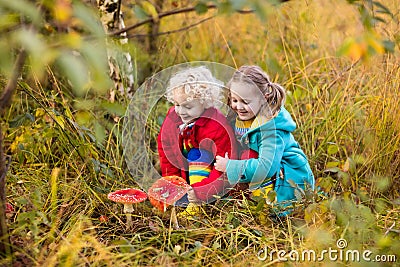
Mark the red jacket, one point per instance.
(212, 132)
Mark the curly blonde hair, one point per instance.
(196, 83)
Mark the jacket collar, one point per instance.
(204, 118)
(261, 121)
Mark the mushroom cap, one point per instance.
(9, 208)
(128, 196)
(167, 190)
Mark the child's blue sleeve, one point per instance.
(268, 163)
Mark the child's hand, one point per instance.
(220, 163)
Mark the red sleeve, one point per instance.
(220, 139)
(167, 148)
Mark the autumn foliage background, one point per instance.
(62, 132)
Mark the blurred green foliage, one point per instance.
(63, 34)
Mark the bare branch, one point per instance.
(169, 13)
(6, 96)
(173, 31)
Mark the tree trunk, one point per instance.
(5, 246)
(5, 101)
(155, 28)
(121, 70)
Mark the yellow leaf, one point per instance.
(62, 11)
(256, 193)
(60, 121)
(55, 172)
(385, 242)
(151, 10)
(39, 112)
(375, 44)
(83, 117)
(346, 166)
(356, 51)
(73, 40)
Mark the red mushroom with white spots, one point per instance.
(128, 197)
(166, 191)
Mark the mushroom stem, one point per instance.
(128, 209)
(174, 220)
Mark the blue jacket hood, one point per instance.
(283, 121)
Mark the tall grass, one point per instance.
(348, 124)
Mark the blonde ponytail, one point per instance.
(275, 97)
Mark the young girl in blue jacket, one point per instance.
(270, 155)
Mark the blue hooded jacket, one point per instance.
(277, 149)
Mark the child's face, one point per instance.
(246, 100)
(187, 110)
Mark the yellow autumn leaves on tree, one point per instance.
(364, 46)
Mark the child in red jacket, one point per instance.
(194, 132)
